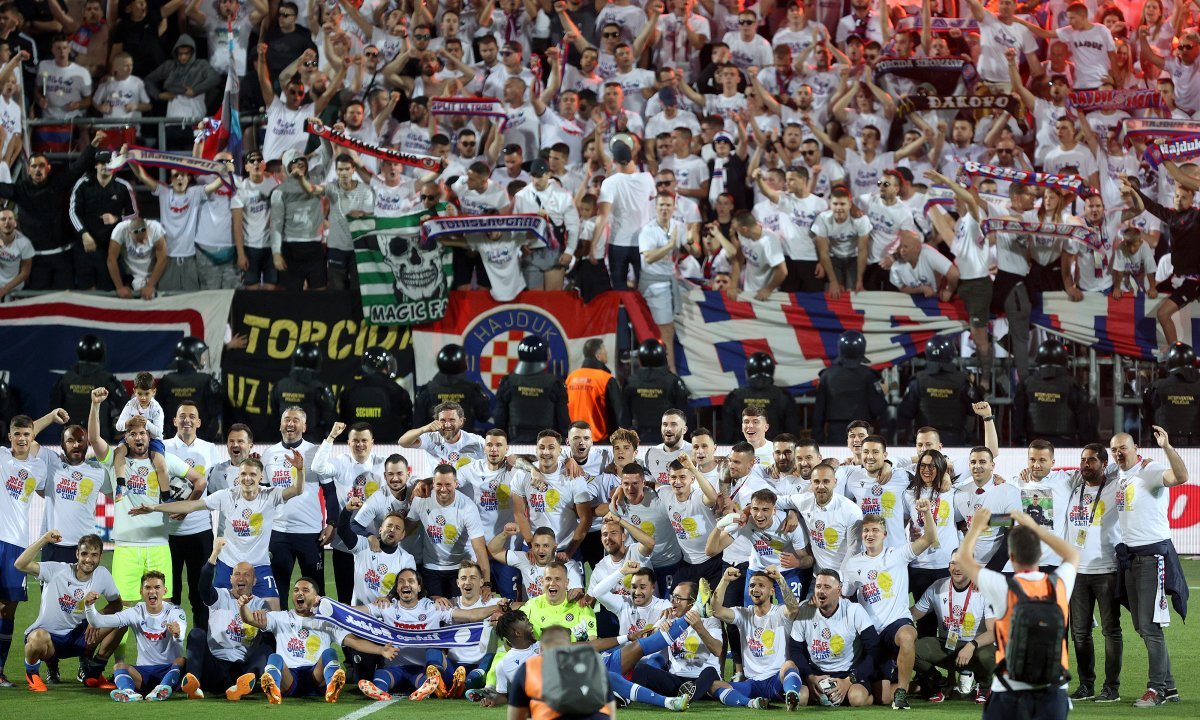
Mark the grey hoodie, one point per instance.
(175, 77)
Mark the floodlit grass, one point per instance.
(70, 700)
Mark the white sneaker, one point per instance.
(125, 696)
(679, 703)
(759, 703)
(160, 693)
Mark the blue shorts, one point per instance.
(770, 688)
(793, 578)
(303, 683)
(887, 638)
(73, 644)
(264, 581)
(152, 675)
(612, 660)
(12, 580)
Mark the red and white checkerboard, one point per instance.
(499, 358)
(106, 512)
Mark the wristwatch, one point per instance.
(852, 678)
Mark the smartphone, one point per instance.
(1000, 520)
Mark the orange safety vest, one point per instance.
(538, 708)
(1033, 589)
(586, 399)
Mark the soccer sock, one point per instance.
(732, 698)
(475, 679)
(634, 692)
(6, 631)
(34, 668)
(274, 663)
(792, 681)
(329, 664)
(171, 679)
(384, 679)
(658, 641)
(123, 680)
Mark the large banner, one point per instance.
(715, 335)
(274, 323)
(404, 279)
(38, 337)
(1126, 327)
(491, 331)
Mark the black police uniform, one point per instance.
(456, 387)
(1049, 405)
(187, 383)
(378, 400)
(759, 391)
(649, 392)
(528, 404)
(303, 389)
(939, 396)
(1173, 402)
(73, 393)
(848, 391)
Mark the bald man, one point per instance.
(227, 657)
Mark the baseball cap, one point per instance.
(539, 168)
(104, 156)
(723, 137)
(621, 153)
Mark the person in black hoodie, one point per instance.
(99, 201)
(39, 195)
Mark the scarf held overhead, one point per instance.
(367, 627)
(1089, 100)
(942, 74)
(148, 157)
(921, 103)
(1071, 183)
(435, 228)
(421, 162)
(1076, 233)
(472, 106)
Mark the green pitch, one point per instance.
(71, 700)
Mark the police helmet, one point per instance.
(192, 350)
(1180, 356)
(760, 363)
(852, 345)
(1051, 352)
(652, 353)
(533, 349)
(452, 359)
(377, 360)
(307, 357)
(940, 349)
(90, 349)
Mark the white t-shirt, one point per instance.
(424, 615)
(228, 637)
(632, 198)
(880, 583)
(768, 544)
(179, 214)
(688, 656)
(864, 174)
(1089, 50)
(11, 257)
(606, 566)
(762, 256)
(143, 487)
(375, 572)
(832, 642)
(995, 590)
(72, 492)
(931, 265)
(834, 529)
(970, 249)
(248, 523)
(502, 262)
(121, 93)
(958, 611)
(1092, 526)
(466, 448)
(532, 574)
(492, 491)
(62, 608)
(510, 662)
(448, 530)
(651, 516)
(301, 640)
(885, 499)
(156, 645)
(62, 86)
(199, 456)
(843, 237)
(1046, 502)
(303, 513)
(994, 38)
(285, 129)
(475, 653)
(691, 521)
(1142, 503)
(886, 223)
(996, 498)
(764, 640)
(254, 200)
(555, 507)
(937, 557)
(139, 256)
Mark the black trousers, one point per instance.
(216, 675)
(288, 549)
(190, 552)
(343, 575)
(1049, 704)
(52, 272)
(440, 583)
(919, 580)
(664, 683)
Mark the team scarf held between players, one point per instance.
(942, 74)
(1166, 138)
(1080, 234)
(434, 228)
(920, 102)
(421, 162)
(368, 628)
(1105, 100)
(470, 106)
(149, 157)
(1069, 183)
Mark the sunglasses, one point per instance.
(422, 36)
(310, 63)
(287, 15)
(139, 231)
(254, 159)
(884, 183)
(663, 183)
(506, 53)
(744, 23)
(1188, 46)
(611, 34)
(429, 198)
(810, 153)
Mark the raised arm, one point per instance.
(99, 445)
(719, 611)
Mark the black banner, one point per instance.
(918, 103)
(274, 323)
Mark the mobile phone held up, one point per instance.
(1000, 520)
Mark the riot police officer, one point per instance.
(848, 390)
(375, 397)
(760, 390)
(1049, 404)
(303, 389)
(1173, 402)
(73, 391)
(451, 384)
(187, 381)
(939, 396)
(531, 400)
(651, 390)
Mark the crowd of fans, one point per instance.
(780, 155)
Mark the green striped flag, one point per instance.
(401, 281)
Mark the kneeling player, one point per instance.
(835, 646)
(160, 627)
(61, 628)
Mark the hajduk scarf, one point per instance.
(421, 162)
(1166, 138)
(1070, 183)
(920, 103)
(1104, 100)
(1081, 234)
(942, 74)
(149, 157)
(367, 627)
(471, 106)
(937, 24)
(438, 227)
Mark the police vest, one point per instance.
(1177, 405)
(587, 399)
(649, 391)
(530, 405)
(443, 389)
(940, 400)
(848, 390)
(1049, 405)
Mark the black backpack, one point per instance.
(1036, 632)
(574, 682)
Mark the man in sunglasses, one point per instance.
(286, 116)
(251, 209)
(142, 244)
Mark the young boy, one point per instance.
(142, 403)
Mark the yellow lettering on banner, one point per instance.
(243, 393)
(313, 331)
(286, 330)
(255, 323)
(338, 349)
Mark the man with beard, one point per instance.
(658, 458)
(551, 498)
(443, 438)
(832, 520)
(878, 489)
(378, 559)
(772, 539)
(634, 503)
(836, 642)
(191, 541)
(966, 637)
(638, 610)
(239, 443)
(489, 483)
(413, 666)
(783, 471)
(60, 629)
(304, 662)
(396, 498)
(451, 384)
(355, 475)
(532, 564)
(296, 216)
(219, 658)
(74, 487)
(807, 456)
(452, 531)
(613, 534)
(1040, 480)
(986, 490)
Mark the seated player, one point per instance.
(470, 665)
(835, 646)
(160, 627)
(517, 633)
(764, 629)
(966, 638)
(60, 629)
(305, 662)
(221, 659)
(694, 657)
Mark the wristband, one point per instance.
(622, 639)
(972, 641)
(989, 418)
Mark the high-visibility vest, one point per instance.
(587, 401)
